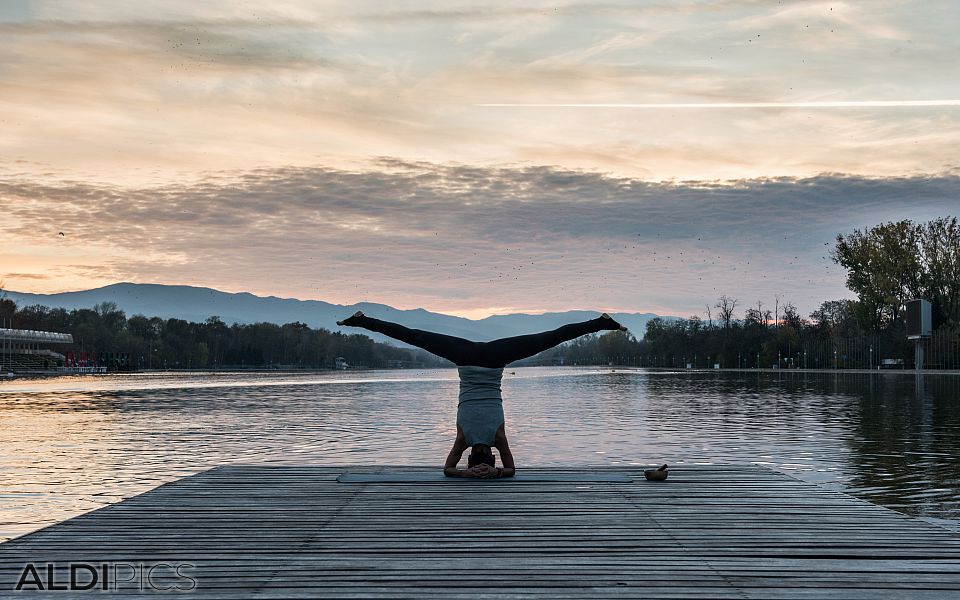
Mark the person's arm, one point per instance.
(506, 457)
(453, 458)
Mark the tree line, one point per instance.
(887, 265)
(141, 342)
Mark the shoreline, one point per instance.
(897, 372)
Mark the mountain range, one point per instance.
(199, 303)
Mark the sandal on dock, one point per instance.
(656, 474)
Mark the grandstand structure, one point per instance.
(27, 351)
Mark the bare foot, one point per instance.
(618, 325)
(356, 315)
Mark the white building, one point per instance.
(24, 350)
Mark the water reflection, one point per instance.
(73, 444)
(905, 445)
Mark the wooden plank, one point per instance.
(707, 532)
(435, 477)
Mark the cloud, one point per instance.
(416, 12)
(180, 143)
(112, 92)
(246, 44)
(848, 23)
(40, 276)
(457, 237)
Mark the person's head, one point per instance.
(481, 454)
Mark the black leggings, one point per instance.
(494, 354)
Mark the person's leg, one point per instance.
(506, 350)
(457, 350)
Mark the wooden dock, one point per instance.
(257, 531)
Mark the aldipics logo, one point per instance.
(107, 576)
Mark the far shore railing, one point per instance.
(873, 352)
(72, 370)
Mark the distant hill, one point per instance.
(198, 303)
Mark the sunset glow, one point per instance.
(470, 159)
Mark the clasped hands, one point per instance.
(482, 470)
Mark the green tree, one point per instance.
(836, 318)
(940, 248)
(884, 269)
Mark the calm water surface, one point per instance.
(72, 444)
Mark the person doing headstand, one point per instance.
(480, 422)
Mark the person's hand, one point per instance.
(471, 472)
(485, 470)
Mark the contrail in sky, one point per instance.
(856, 104)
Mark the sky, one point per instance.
(468, 158)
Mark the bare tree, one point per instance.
(726, 305)
(755, 316)
(105, 308)
(709, 318)
(791, 316)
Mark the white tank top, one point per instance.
(480, 410)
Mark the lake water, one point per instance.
(72, 444)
